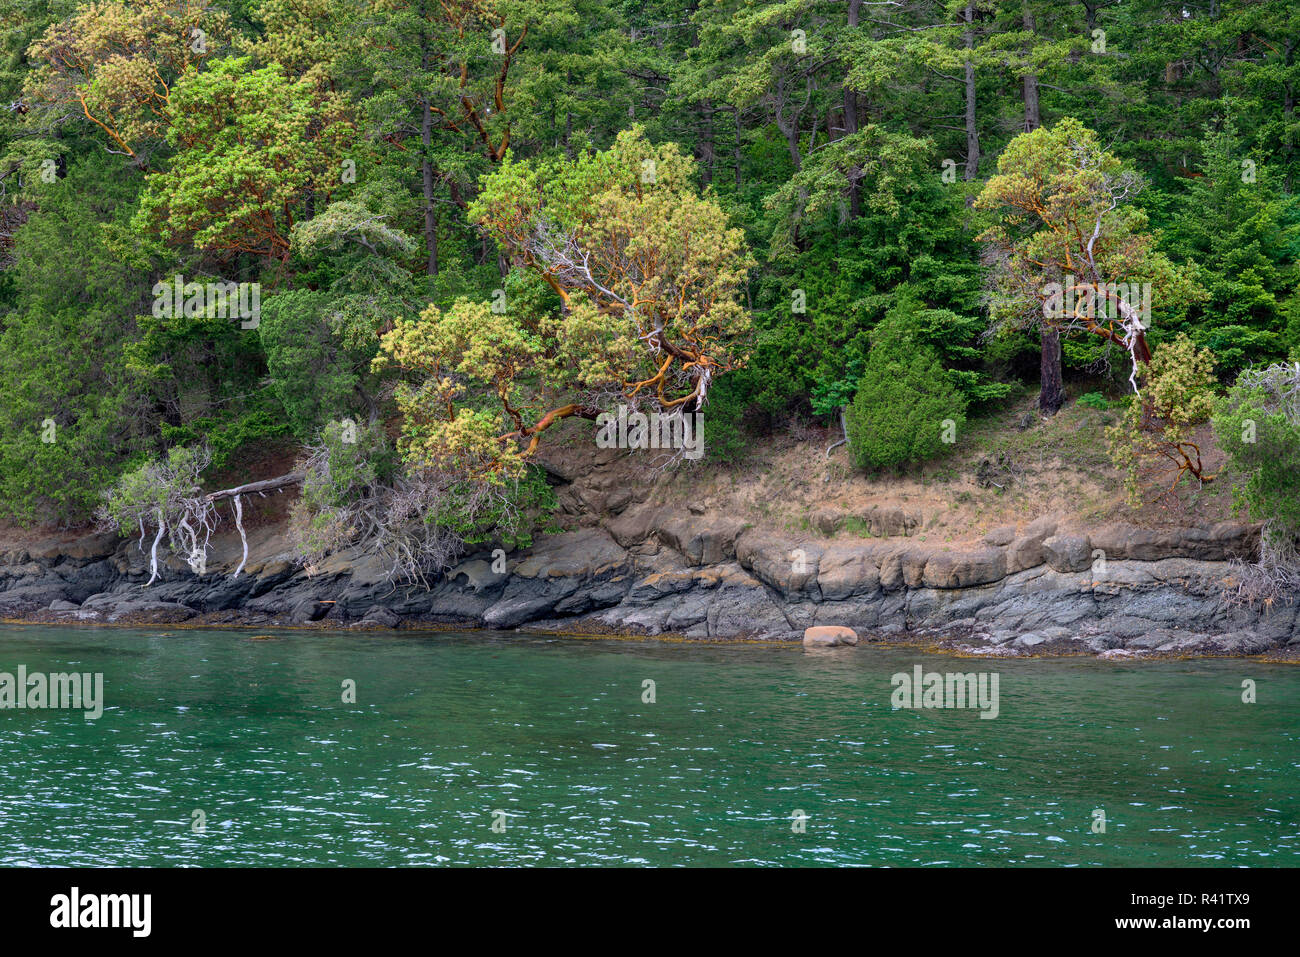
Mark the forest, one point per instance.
(380, 251)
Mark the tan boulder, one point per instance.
(829, 636)
(904, 566)
(1067, 553)
(1026, 551)
(960, 569)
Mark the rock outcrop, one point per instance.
(652, 571)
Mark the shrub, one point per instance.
(418, 521)
(726, 435)
(1157, 426)
(906, 404)
(1258, 425)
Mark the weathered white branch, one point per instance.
(239, 524)
(153, 552)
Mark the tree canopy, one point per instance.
(471, 221)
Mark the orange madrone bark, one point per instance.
(160, 40)
(1126, 331)
(646, 271)
(463, 16)
(691, 353)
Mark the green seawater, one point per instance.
(451, 732)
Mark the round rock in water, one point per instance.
(829, 636)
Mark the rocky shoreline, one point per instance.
(1042, 588)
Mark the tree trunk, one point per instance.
(1052, 390)
(972, 135)
(426, 171)
(735, 149)
(1033, 118)
(851, 122)
(1052, 395)
(789, 128)
(706, 143)
(266, 485)
(1288, 108)
(430, 222)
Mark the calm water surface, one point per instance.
(451, 732)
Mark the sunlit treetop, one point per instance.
(116, 64)
(644, 273)
(625, 233)
(1065, 216)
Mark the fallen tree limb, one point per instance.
(266, 485)
(166, 494)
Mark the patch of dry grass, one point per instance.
(1009, 466)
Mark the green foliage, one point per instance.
(251, 145)
(311, 373)
(829, 397)
(117, 65)
(231, 429)
(530, 496)
(1094, 400)
(1257, 425)
(71, 413)
(359, 457)
(1243, 233)
(1178, 394)
(370, 163)
(320, 342)
(906, 403)
(848, 277)
(728, 432)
